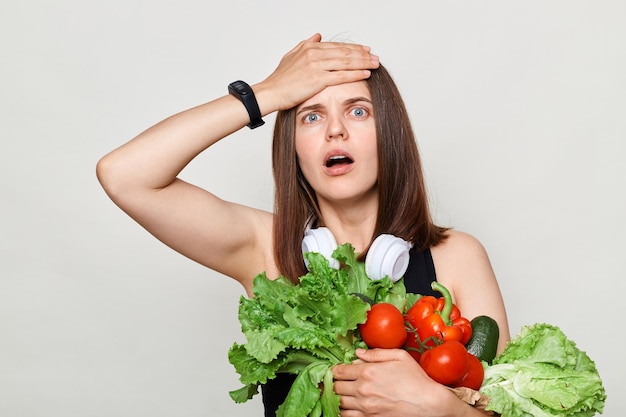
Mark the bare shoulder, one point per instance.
(460, 248)
(461, 261)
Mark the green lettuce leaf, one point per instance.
(306, 329)
(542, 373)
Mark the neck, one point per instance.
(352, 224)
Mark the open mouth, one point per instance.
(338, 160)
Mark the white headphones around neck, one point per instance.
(388, 255)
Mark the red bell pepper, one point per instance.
(438, 320)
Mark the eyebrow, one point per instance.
(349, 101)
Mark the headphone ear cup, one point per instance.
(388, 256)
(320, 240)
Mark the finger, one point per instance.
(343, 46)
(346, 77)
(382, 355)
(349, 407)
(315, 47)
(343, 56)
(345, 372)
(339, 68)
(351, 413)
(344, 388)
(315, 38)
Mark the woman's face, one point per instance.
(336, 143)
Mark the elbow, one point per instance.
(109, 174)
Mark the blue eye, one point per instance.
(311, 118)
(359, 112)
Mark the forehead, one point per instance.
(339, 93)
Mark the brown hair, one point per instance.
(403, 208)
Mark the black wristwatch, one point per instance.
(244, 93)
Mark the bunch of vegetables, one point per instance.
(308, 328)
(434, 333)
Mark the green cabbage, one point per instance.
(542, 373)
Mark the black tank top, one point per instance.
(417, 280)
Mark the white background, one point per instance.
(519, 109)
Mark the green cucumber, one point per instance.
(484, 341)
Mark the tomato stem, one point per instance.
(422, 345)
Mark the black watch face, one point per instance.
(240, 87)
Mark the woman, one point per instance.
(344, 158)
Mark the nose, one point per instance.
(336, 129)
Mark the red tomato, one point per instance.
(446, 363)
(384, 327)
(475, 375)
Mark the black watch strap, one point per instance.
(244, 93)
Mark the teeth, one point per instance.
(337, 159)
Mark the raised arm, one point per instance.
(141, 175)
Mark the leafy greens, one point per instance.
(306, 329)
(542, 373)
